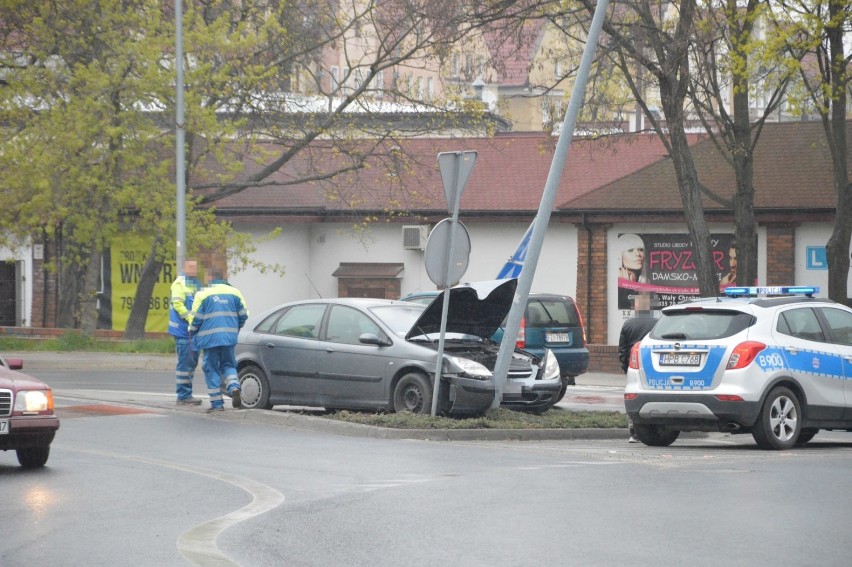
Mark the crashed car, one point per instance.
(27, 422)
(378, 354)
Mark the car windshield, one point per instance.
(700, 324)
(399, 317)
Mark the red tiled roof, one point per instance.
(509, 175)
(792, 170)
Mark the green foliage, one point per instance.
(494, 419)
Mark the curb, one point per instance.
(316, 424)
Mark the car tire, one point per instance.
(254, 388)
(33, 457)
(413, 393)
(806, 435)
(656, 435)
(779, 422)
(566, 381)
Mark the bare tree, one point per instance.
(817, 28)
(731, 61)
(654, 38)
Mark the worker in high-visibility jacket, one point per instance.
(182, 294)
(218, 313)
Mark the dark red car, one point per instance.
(27, 422)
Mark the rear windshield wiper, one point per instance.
(673, 336)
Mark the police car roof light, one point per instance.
(808, 291)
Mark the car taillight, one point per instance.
(582, 325)
(522, 334)
(744, 354)
(634, 357)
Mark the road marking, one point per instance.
(198, 545)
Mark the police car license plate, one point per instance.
(4, 426)
(680, 359)
(557, 337)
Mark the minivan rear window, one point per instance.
(543, 312)
(704, 324)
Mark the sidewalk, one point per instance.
(166, 362)
(92, 360)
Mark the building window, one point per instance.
(335, 78)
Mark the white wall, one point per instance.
(813, 235)
(311, 253)
(291, 250)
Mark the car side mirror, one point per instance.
(373, 339)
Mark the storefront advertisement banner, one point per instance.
(664, 266)
(122, 270)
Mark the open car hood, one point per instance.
(475, 309)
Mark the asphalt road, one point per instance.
(141, 482)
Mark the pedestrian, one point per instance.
(218, 314)
(183, 291)
(633, 331)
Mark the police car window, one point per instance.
(800, 323)
(840, 324)
(702, 324)
(301, 321)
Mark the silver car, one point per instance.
(377, 354)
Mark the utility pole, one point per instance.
(180, 167)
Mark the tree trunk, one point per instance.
(690, 194)
(745, 224)
(135, 329)
(837, 248)
(89, 295)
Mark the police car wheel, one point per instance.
(656, 435)
(779, 423)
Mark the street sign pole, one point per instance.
(455, 169)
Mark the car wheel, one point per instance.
(413, 393)
(254, 388)
(778, 424)
(33, 457)
(656, 435)
(806, 435)
(566, 381)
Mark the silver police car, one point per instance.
(775, 362)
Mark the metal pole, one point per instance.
(436, 389)
(180, 168)
(550, 190)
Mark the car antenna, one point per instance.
(313, 286)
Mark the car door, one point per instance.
(350, 371)
(290, 351)
(813, 361)
(839, 323)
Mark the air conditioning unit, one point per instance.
(414, 236)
